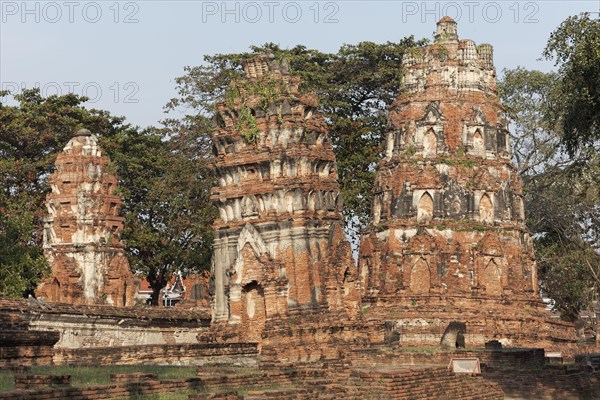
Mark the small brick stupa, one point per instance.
(447, 241)
(279, 244)
(81, 235)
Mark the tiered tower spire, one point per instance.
(447, 216)
(278, 199)
(82, 229)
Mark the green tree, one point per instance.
(561, 193)
(575, 47)
(529, 97)
(31, 133)
(165, 184)
(22, 264)
(355, 85)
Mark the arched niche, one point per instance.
(330, 201)
(55, 293)
(230, 213)
(254, 301)
(252, 172)
(288, 202)
(261, 204)
(491, 277)
(310, 201)
(249, 206)
(478, 143)
(253, 310)
(429, 144)
(298, 200)
(249, 249)
(223, 214)
(486, 209)
(323, 169)
(425, 207)
(420, 277)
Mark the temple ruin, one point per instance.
(82, 229)
(446, 276)
(447, 237)
(279, 243)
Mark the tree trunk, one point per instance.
(155, 297)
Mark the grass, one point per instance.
(86, 376)
(7, 381)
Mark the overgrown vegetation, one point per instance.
(355, 85)
(87, 376)
(247, 126)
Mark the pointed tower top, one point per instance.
(83, 143)
(258, 65)
(446, 19)
(446, 30)
(83, 132)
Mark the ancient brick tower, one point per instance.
(81, 236)
(279, 243)
(447, 238)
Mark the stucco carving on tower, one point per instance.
(447, 215)
(82, 229)
(279, 243)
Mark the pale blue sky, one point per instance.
(87, 46)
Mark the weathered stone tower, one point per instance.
(279, 243)
(447, 239)
(81, 236)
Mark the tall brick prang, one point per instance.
(82, 229)
(279, 243)
(447, 234)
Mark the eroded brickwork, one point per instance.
(81, 233)
(279, 243)
(447, 216)
(20, 346)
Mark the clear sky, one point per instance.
(125, 55)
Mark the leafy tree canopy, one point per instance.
(163, 181)
(21, 263)
(31, 133)
(561, 192)
(166, 188)
(575, 47)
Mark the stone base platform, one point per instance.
(337, 380)
(376, 373)
(422, 320)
